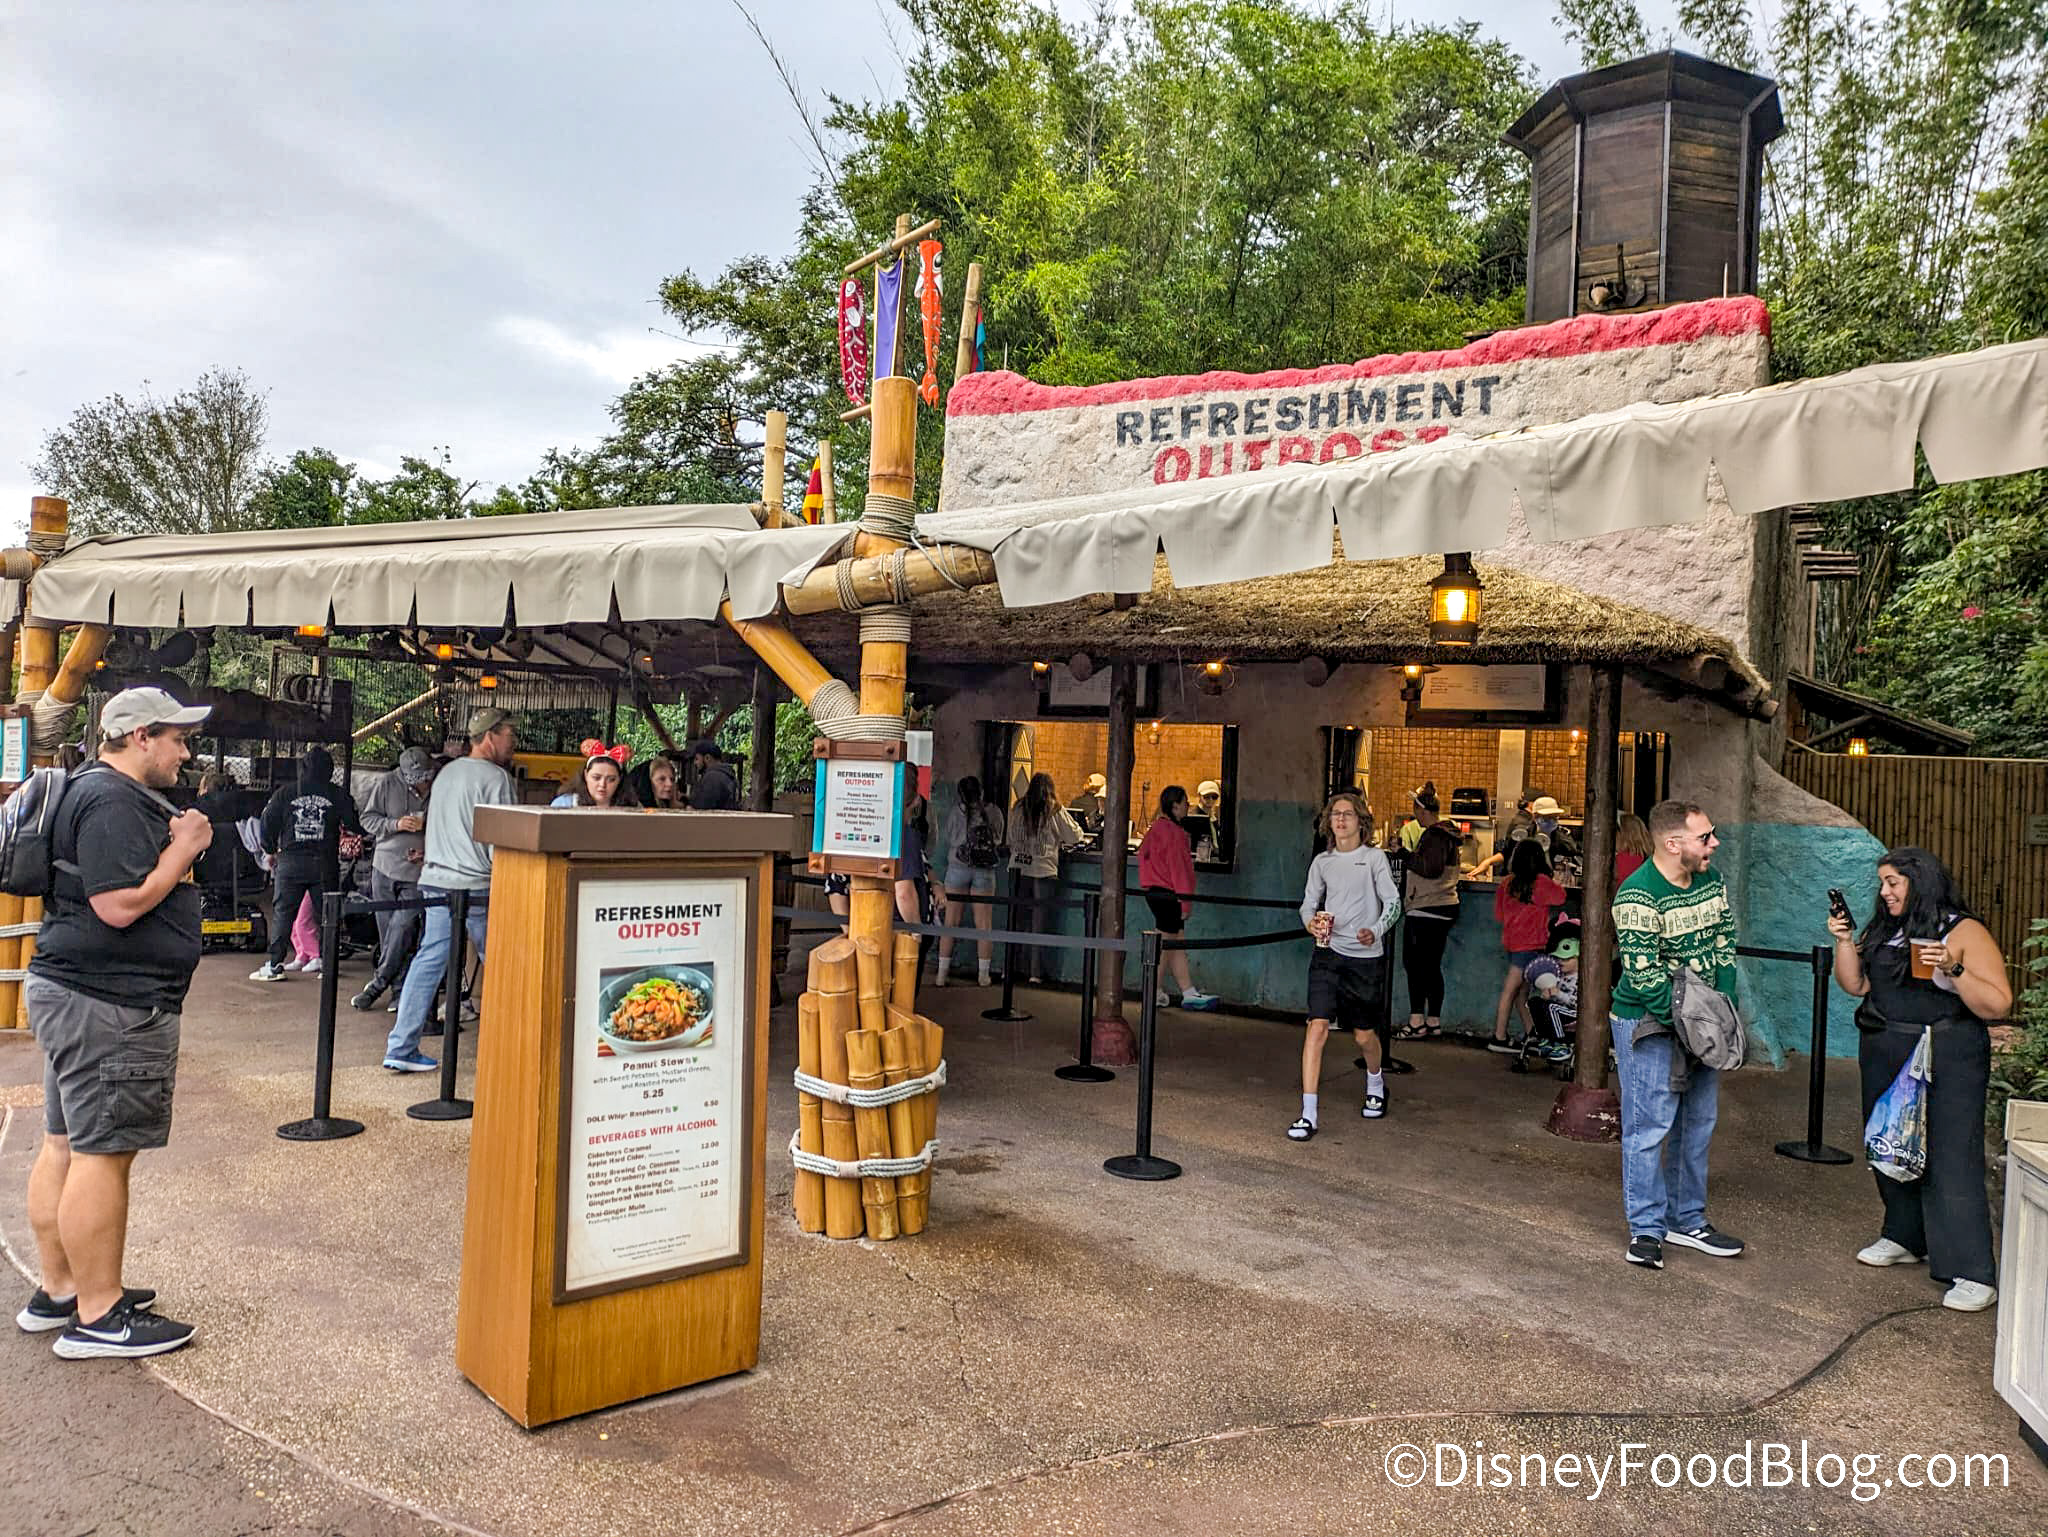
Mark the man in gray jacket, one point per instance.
(395, 814)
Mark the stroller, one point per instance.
(1553, 994)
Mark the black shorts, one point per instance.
(1345, 989)
(1166, 913)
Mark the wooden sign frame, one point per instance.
(821, 863)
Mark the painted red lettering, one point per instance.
(1431, 434)
(1382, 441)
(1172, 464)
(1296, 451)
(1206, 471)
(1255, 453)
(1337, 441)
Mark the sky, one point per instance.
(413, 225)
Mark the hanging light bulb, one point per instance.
(488, 680)
(1454, 602)
(1858, 747)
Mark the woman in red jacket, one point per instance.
(1166, 869)
(1523, 904)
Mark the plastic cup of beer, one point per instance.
(1924, 952)
(1325, 926)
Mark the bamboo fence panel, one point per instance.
(1981, 816)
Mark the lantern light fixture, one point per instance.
(445, 651)
(1859, 747)
(488, 680)
(1454, 602)
(1040, 669)
(312, 632)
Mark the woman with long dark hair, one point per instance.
(600, 783)
(1923, 962)
(1166, 871)
(1523, 904)
(1039, 829)
(1430, 907)
(974, 850)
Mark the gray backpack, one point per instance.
(1705, 1022)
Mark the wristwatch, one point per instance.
(1955, 970)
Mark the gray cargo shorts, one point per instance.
(110, 1068)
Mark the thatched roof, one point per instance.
(1349, 611)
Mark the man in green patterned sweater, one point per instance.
(1672, 912)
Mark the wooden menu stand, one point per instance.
(612, 1243)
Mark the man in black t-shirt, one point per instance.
(114, 957)
(302, 828)
(714, 788)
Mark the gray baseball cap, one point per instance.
(484, 720)
(134, 708)
(415, 767)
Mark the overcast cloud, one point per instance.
(413, 224)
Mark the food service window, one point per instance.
(1164, 753)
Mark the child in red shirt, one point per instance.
(1523, 903)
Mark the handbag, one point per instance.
(1895, 1136)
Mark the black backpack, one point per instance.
(28, 823)
(981, 848)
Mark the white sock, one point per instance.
(1308, 1108)
(1375, 1083)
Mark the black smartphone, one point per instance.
(1839, 906)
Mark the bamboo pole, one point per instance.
(871, 1132)
(810, 1135)
(392, 717)
(928, 1105)
(10, 905)
(905, 236)
(970, 315)
(833, 968)
(935, 568)
(903, 975)
(81, 660)
(787, 656)
(829, 513)
(773, 454)
(902, 1059)
(49, 521)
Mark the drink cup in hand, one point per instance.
(1325, 926)
(1925, 953)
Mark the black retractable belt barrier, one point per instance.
(1083, 1069)
(1007, 1011)
(447, 1107)
(1141, 1164)
(1815, 1149)
(321, 1126)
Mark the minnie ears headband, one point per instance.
(593, 748)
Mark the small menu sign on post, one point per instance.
(858, 827)
(14, 749)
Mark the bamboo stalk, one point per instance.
(832, 964)
(49, 520)
(933, 569)
(934, 1054)
(810, 1133)
(903, 975)
(871, 1131)
(970, 314)
(392, 717)
(787, 656)
(773, 454)
(873, 983)
(881, 253)
(902, 1046)
(80, 661)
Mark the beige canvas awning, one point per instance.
(551, 568)
(1817, 440)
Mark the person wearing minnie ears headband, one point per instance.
(1350, 905)
(601, 782)
(455, 861)
(118, 945)
(1924, 963)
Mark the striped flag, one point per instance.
(814, 494)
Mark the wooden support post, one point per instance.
(49, 520)
(903, 1057)
(1587, 1110)
(774, 453)
(1114, 1046)
(810, 1126)
(834, 978)
(970, 316)
(761, 762)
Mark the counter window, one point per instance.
(1165, 753)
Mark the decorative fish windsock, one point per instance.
(928, 311)
(853, 342)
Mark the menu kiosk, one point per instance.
(612, 1243)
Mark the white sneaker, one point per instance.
(1885, 1252)
(268, 973)
(981, 977)
(1970, 1297)
(312, 967)
(294, 964)
(1195, 998)
(942, 977)
(1162, 1000)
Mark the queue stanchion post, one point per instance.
(1083, 1069)
(1007, 1011)
(1815, 1148)
(322, 1126)
(1141, 1165)
(447, 1107)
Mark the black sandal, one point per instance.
(1302, 1129)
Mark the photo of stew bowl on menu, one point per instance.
(655, 1008)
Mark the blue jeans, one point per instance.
(1664, 1136)
(429, 967)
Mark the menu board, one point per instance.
(14, 749)
(860, 808)
(654, 1081)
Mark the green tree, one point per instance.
(423, 490)
(189, 464)
(311, 490)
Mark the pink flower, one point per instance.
(1973, 612)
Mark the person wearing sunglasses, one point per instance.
(1673, 912)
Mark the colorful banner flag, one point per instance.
(853, 342)
(928, 295)
(888, 315)
(814, 493)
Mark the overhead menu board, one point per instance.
(654, 1081)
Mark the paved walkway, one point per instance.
(1239, 1350)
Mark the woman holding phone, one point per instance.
(1924, 962)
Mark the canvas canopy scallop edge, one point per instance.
(1649, 465)
(549, 569)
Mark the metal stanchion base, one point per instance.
(1084, 1072)
(441, 1110)
(1141, 1166)
(1008, 1016)
(1814, 1152)
(319, 1128)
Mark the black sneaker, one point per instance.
(1375, 1106)
(367, 998)
(45, 1313)
(125, 1331)
(1706, 1238)
(1647, 1252)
